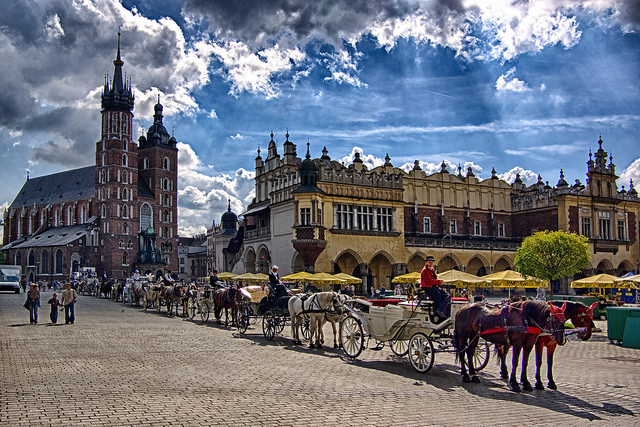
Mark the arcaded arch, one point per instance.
(348, 262)
(449, 262)
(297, 263)
(416, 263)
(503, 264)
(604, 266)
(380, 271)
(263, 260)
(250, 260)
(623, 268)
(478, 265)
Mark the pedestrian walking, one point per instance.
(55, 303)
(69, 300)
(33, 301)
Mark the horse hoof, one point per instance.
(515, 387)
(527, 386)
(552, 385)
(539, 386)
(475, 379)
(466, 378)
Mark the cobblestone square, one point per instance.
(119, 365)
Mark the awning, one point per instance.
(258, 208)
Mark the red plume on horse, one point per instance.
(517, 325)
(581, 317)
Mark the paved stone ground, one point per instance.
(121, 366)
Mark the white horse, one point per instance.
(313, 307)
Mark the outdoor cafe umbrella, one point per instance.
(323, 279)
(629, 282)
(351, 280)
(461, 279)
(597, 281)
(227, 276)
(302, 276)
(512, 279)
(252, 277)
(407, 278)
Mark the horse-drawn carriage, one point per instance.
(409, 328)
(235, 302)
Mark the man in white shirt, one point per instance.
(69, 300)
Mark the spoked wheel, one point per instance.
(242, 319)
(351, 336)
(280, 322)
(421, 353)
(204, 313)
(306, 329)
(481, 356)
(191, 308)
(399, 347)
(269, 325)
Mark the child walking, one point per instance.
(55, 303)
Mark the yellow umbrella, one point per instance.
(597, 281)
(512, 279)
(326, 279)
(407, 278)
(629, 282)
(226, 275)
(351, 280)
(302, 276)
(252, 277)
(461, 279)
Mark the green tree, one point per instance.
(553, 255)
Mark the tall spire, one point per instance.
(117, 73)
(119, 96)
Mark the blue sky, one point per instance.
(517, 86)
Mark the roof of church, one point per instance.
(56, 188)
(55, 236)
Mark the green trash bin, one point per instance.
(616, 319)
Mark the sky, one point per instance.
(520, 86)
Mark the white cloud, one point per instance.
(527, 176)
(632, 172)
(53, 28)
(368, 160)
(507, 82)
(212, 114)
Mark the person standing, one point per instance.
(55, 303)
(430, 284)
(33, 299)
(69, 300)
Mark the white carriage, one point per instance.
(409, 328)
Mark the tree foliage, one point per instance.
(552, 255)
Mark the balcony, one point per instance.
(462, 242)
(257, 234)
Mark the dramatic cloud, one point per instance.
(507, 82)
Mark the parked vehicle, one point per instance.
(10, 278)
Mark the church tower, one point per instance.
(116, 172)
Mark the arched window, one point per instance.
(104, 159)
(165, 163)
(125, 259)
(31, 258)
(58, 261)
(42, 217)
(121, 244)
(166, 200)
(165, 216)
(145, 163)
(18, 259)
(83, 214)
(56, 218)
(125, 211)
(124, 160)
(69, 216)
(125, 194)
(44, 261)
(166, 232)
(124, 144)
(103, 210)
(146, 216)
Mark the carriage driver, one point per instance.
(168, 280)
(429, 284)
(278, 289)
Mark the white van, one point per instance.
(10, 278)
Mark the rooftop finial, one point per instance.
(308, 144)
(229, 204)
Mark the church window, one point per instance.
(56, 218)
(125, 211)
(130, 245)
(166, 232)
(30, 224)
(104, 159)
(103, 211)
(69, 216)
(165, 163)
(18, 258)
(159, 232)
(115, 127)
(58, 264)
(124, 143)
(31, 258)
(146, 215)
(166, 200)
(42, 217)
(125, 259)
(165, 217)
(124, 160)
(145, 163)
(125, 177)
(44, 262)
(83, 214)
(125, 195)
(120, 244)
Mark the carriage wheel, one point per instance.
(351, 336)
(269, 325)
(421, 353)
(481, 356)
(280, 322)
(306, 329)
(242, 318)
(191, 308)
(399, 347)
(204, 313)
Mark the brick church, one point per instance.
(117, 215)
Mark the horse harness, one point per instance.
(525, 329)
(313, 307)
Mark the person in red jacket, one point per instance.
(429, 284)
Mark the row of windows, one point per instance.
(32, 225)
(604, 228)
(125, 177)
(166, 163)
(453, 227)
(366, 218)
(43, 261)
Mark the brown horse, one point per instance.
(581, 317)
(229, 299)
(516, 325)
(172, 295)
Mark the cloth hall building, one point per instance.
(117, 215)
